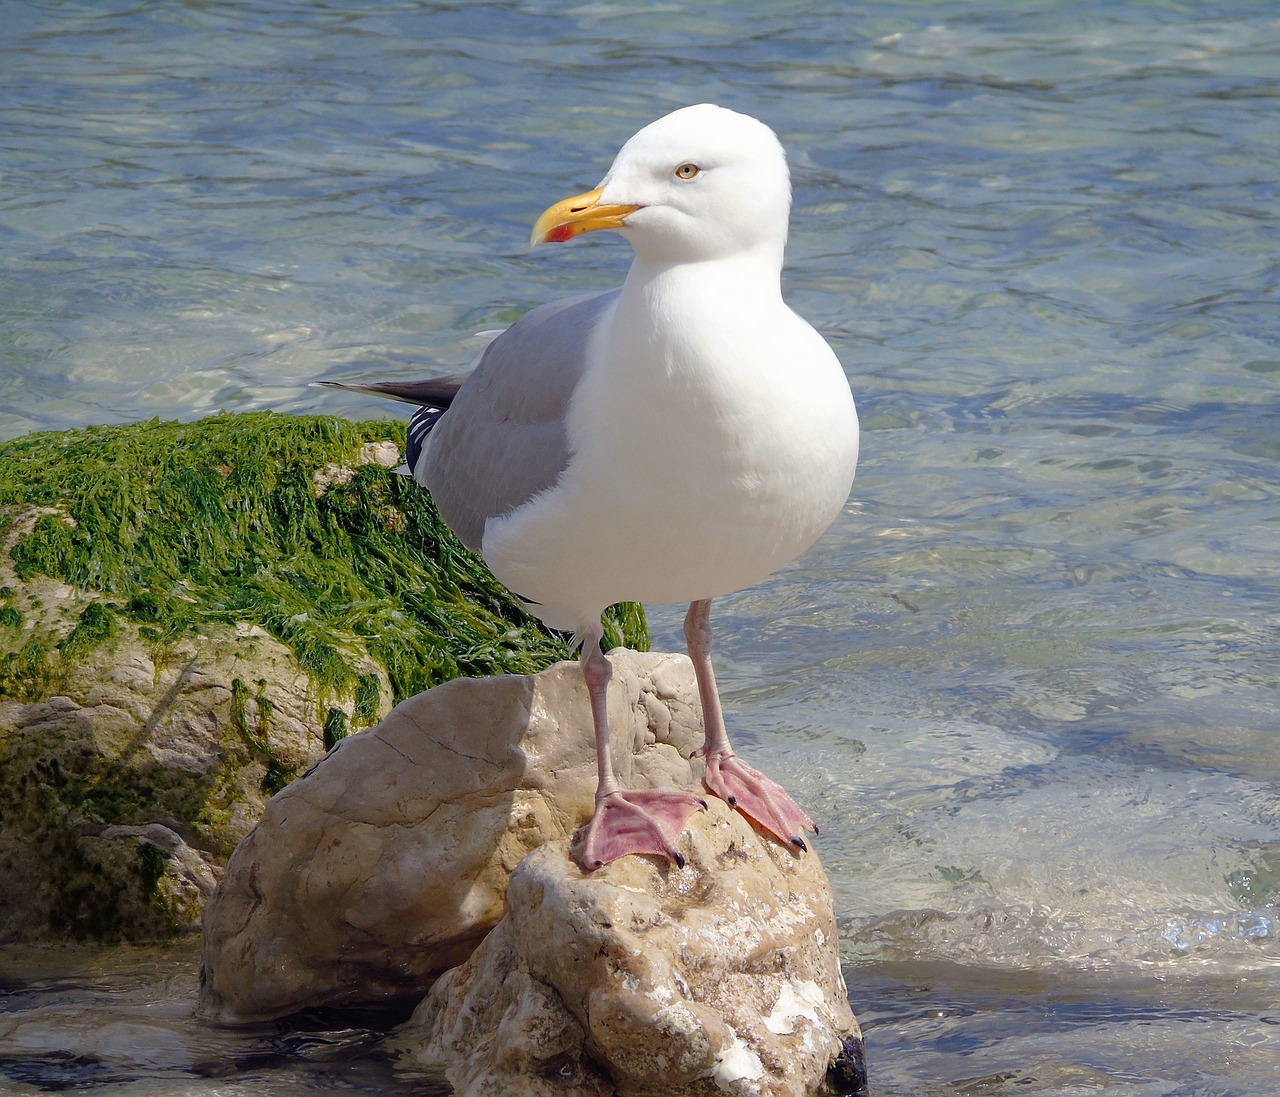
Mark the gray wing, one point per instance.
(503, 438)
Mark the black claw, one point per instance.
(816, 831)
(679, 860)
(732, 801)
(799, 844)
(703, 803)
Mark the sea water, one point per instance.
(1027, 684)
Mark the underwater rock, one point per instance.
(641, 978)
(388, 863)
(190, 615)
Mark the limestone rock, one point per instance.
(122, 795)
(388, 863)
(644, 979)
(190, 614)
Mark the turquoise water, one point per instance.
(1028, 682)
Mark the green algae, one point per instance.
(178, 526)
(367, 697)
(96, 626)
(256, 733)
(29, 673)
(335, 728)
(205, 536)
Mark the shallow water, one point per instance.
(1026, 684)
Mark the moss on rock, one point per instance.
(190, 615)
(269, 520)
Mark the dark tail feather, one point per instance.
(435, 392)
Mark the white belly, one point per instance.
(689, 479)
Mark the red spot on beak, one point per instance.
(560, 234)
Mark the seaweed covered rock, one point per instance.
(190, 616)
(388, 863)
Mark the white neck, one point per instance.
(741, 283)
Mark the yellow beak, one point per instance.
(576, 215)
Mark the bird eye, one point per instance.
(687, 171)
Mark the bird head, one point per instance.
(700, 183)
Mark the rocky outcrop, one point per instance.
(435, 849)
(719, 977)
(124, 793)
(388, 863)
(190, 615)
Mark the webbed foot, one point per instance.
(635, 821)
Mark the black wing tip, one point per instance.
(420, 424)
(436, 392)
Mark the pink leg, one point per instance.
(625, 821)
(758, 798)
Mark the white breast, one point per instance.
(714, 438)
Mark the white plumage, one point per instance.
(672, 442)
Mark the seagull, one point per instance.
(670, 441)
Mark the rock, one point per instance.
(190, 615)
(388, 863)
(645, 979)
(122, 798)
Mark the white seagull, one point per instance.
(670, 441)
